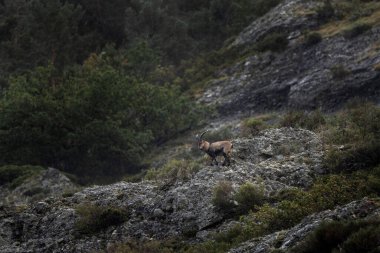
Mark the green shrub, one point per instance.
(354, 138)
(312, 38)
(326, 12)
(153, 246)
(208, 247)
(223, 197)
(339, 72)
(248, 197)
(174, 170)
(34, 191)
(14, 175)
(327, 193)
(93, 219)
(333, 190)
(275, 42)
(356, 30)
(253, 125)
(374, 180)
(342, 236)
(300, 119)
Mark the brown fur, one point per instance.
(219, 148)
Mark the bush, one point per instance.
(356, 30)
(223, 197)
(300, 119)
(374, 180)
(356, 131)
(312, 38)
(94, 219)
(326, 12)
(248, 197)
(253, 125)
(342, 236)
(339, 72)
(13, 175)
(153, 246)
(275, 42)
(174, 170)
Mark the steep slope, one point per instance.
(307, 76)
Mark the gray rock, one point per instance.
(299, 77)
(286, 239)
(49, 183)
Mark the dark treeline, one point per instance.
(87, 86)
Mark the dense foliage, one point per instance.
(94, 120)
(87, 86)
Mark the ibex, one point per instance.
(216, 149)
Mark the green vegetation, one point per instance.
(253, 125)
(301, 119)
(96, 121)
(275, 42)
(90, 88)
(234, 203)
(174, 170)
(353, 138)
(343, 236)
(249, 197)
(93, 219)
(312, 38)
(356, 30)
(339, 72)
(326, 11)
(168, 246)
(223, 197)
(13, 175)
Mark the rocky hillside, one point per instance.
(47, 183)
(339, 62)
(49, 213)
(277, 159)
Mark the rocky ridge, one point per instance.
(302, 76)
(276, 159)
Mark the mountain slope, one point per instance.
(308, 75)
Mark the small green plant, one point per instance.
(34, 191)
(152, 246)
(312, 38)
(339, 72)
(300, 119)
(326, 11)
(356, 30)
(249, 197)
(353, 136)
(13, 175)
(275, 42)
(374, 180)
(223, 197)
(174, 170)
(253, 125)
(93, 219)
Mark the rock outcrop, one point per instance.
(276, 159)
(301, 76)
(48, 183)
